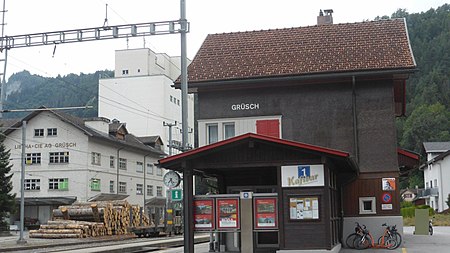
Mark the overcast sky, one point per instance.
(205, 17)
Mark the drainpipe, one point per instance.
(145, 186)
(441, 189)
(355, 120)
(117, 186)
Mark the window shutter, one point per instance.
(268, 127)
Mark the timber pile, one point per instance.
(90, 219)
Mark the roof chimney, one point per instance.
(327, 19)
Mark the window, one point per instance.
(52, 132)
(435, 183)
(431, 183)
(122, 187)
(95, 184)
(59, 157)
(111, 161)
(111, 186)
(32, 184)
(171, 98)
(58, 183)
(159, 190)
(125, 72)
(228, 130)
(150, 190)
(122, 163)
(33, 158)
(426, 185)
(178, 102)
(38, 132)
(150, 168)
(212, 133)
(158, 171)
(367, 205)
(139, 189)
(96, 158)
(139, 167)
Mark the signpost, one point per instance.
(177, 195)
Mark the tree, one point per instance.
(7, 200)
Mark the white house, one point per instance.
(436, 174)
(142, 95)
(71, 159)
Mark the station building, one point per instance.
(303, 118)
(72, 159)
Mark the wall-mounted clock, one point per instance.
(171, 179)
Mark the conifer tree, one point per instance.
(7, 199)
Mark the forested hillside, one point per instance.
(32, 91)
(428, 90)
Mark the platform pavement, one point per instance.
(9, 243)
(438, 243)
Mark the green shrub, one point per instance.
(404, 204)
(410, 211)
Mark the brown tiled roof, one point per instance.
(364, 46)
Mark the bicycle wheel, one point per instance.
(389, 241)
(362, 242)
(349, 242)
(398, 239)
(431, 230)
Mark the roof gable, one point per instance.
(364, 46)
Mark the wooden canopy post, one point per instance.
(188, 200)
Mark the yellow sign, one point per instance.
(169, 211)
(169, 222)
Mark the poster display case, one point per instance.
(304, 208)
(227, 213)
(265, 213)
(204, 214)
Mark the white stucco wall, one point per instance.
(79, 170)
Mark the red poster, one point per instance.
(203, 214)
(265, 213)
(228, 213)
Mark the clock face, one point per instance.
(171, 179)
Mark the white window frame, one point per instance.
(33, 158)
(111, 186)
(150, 190)
(139, 189)
(58, 157)
(123, 187)
(52, 131)
(123, 163)
(159, 171)
(224, 125)
(54, 183)
(32, 185)
(112, 162)
(159, 191)
(95, 184)
(150, 168)
(139, 167)
(208, 127)
(373, 209)
(39, 132)
(96, 158)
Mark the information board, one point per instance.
(304, 208)
(265, 213)
(227, 213)
(204, 214)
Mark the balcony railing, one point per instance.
(422, 193)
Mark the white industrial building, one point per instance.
(71, 159)
(142, 95)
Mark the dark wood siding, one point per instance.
(369, 185)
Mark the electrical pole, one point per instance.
(170, 125)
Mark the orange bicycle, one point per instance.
(387, 241)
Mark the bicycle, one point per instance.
(391, 239)
(365, 240)
(351, 237)
(430, 227)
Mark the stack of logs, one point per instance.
(89, 219)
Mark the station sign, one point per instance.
(302, 175)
